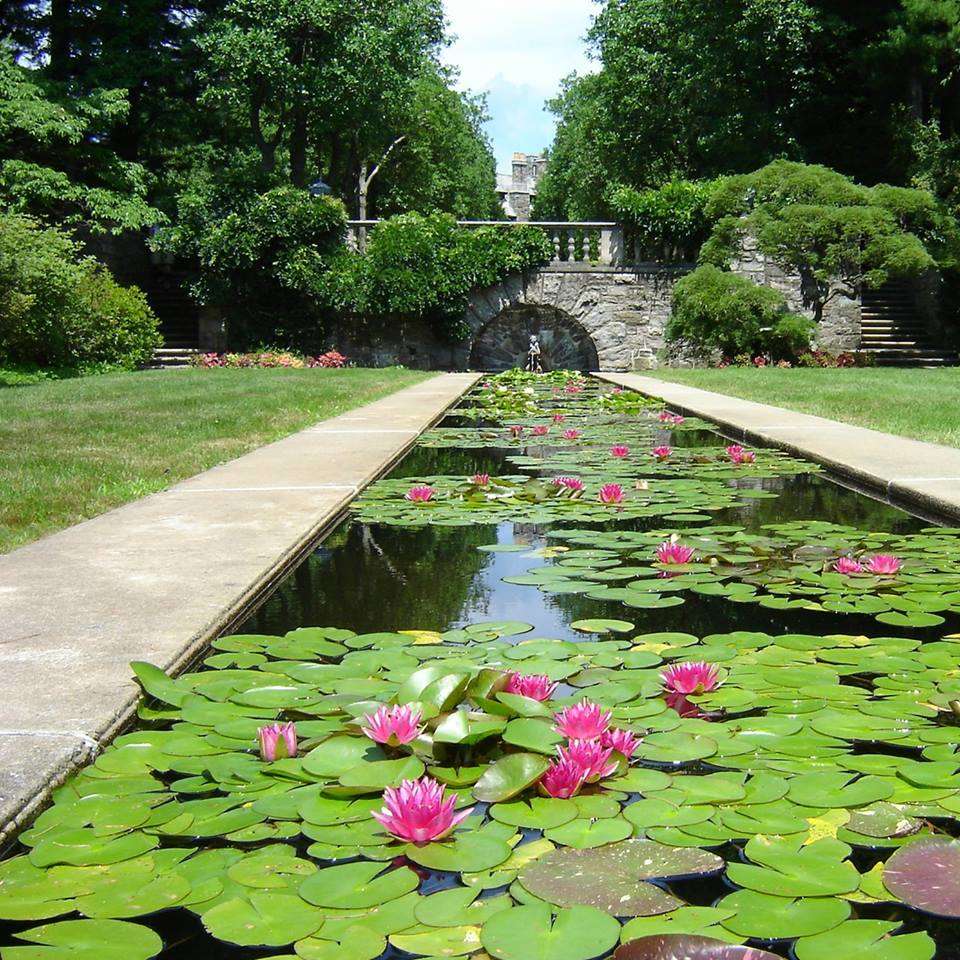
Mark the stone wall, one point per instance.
(622, 311)
(839, 329)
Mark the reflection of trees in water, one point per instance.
(371, 579)
(808, 497)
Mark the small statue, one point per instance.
(534, 364)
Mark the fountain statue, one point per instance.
(534, 363)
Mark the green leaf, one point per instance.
(531, 933)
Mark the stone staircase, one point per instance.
(893, 332)
(168, 357)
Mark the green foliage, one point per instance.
(446, 164)
(426, 267)
(60, 309)
(840, 236)
(670, 221)
(55, 166)
(257, 255)
(713, 308)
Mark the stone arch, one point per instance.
(501, 342)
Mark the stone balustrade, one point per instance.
(588, 243)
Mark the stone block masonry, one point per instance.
(156, 580)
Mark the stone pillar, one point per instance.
(212, 330)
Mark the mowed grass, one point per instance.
(71, 449)
(923, 404)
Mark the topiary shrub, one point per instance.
(714, 308)
(61, 309)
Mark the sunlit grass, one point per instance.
(71, 449)
(924, 404)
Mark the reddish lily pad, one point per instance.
(925, 875)
(679, 946)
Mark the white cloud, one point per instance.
(518, 51)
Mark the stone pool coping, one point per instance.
(918, 475)
(159, 578)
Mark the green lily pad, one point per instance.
(468, 852)
(85, 939)
(267, 919)
(357, 885)
(866, 940)
(532, 933)
(766, 917)
(509, 776)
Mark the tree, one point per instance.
(320, 85)
(56, 165)
(446, 162)
(838, 235)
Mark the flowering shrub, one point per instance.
(268, 359)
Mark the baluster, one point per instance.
(571, 246)
(555, 237)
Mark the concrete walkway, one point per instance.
(921, 476)
(156, 580)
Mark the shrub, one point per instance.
(257, 256)
(425, 267)
(713, 308)
(61, 309)
(670, 222)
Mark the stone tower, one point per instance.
(518, 188)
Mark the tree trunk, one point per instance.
(298, 148)
(362, 188)
(61, 39)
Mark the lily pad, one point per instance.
(613, 878)
(925, 874)
(688, 947)
(532, 933)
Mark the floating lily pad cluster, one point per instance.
(785, 567)
(819, 779)
(460, 501)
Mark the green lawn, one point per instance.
(924, 404)
(71, 449)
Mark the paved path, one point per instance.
(924, 476)
(156, 580)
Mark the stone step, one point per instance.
(174, 356)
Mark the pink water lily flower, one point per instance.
(573, 388)
(738, 455)
(847, 566)
(563, 779)
(691, 678)
(420, 494)
(571, 434)
(540, 431)
(583, 721)
(536, 686)
(480, 479)
(418, 812)
(516, 432)
(568, 483)
(622, 741)
(885, 565)
(277, 741)
(662, 453)
(620, 451)
(611, 494)
(591, 756)
(671, 552)
(559, 418)
(393, 726)
(666, 416)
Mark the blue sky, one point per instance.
(518, 51)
